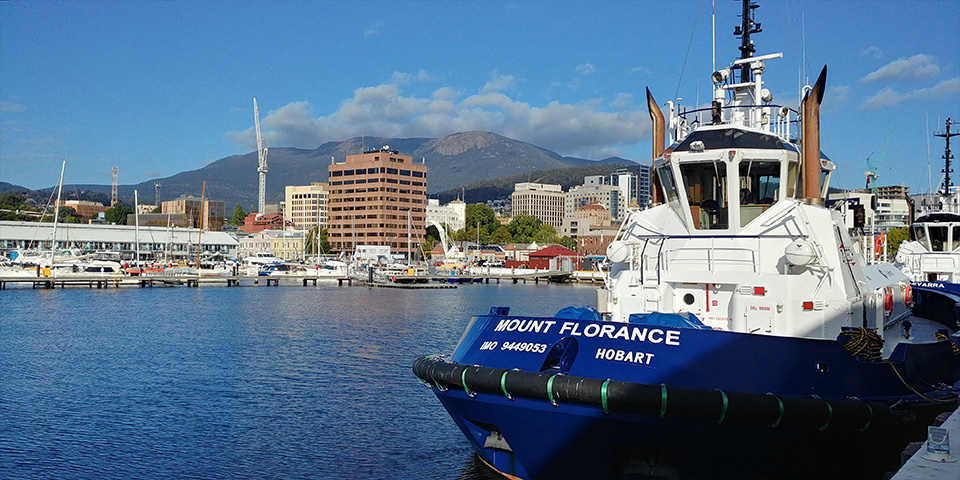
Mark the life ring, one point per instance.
(907, 295)
(888, 301)
(878, 245)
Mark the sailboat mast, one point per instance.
(136, 228)
(56, 213)
(203, 191)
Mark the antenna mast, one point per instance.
(262, 168)
(746, 27)
(947, 156)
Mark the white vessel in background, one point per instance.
(933, 252)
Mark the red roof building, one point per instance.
(555, 257)
(252, 224)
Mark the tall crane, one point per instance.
(871, 172)
(262, 168)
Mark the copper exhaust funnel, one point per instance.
(659, 136)
(810, 140)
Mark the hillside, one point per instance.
(453, 161)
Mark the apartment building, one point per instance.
(305, 206)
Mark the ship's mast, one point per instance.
(947, 156)
(746, 27)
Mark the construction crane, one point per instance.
(871, 172)
(113, 186)
(262, 168)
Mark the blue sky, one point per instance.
(160, 87)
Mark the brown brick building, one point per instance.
(371, 196)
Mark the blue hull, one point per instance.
(670, 415)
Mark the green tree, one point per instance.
(428, 245)
(478, 213)
(524, 228)
(117, 214)
(432, 234)
(311, 242)
(568, 242)
(11, 204)
(68, 215)
(238, 215)
(158, 209)
(501, 236)
(895, 237)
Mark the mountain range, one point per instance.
(453, 161)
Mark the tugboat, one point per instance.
(932, 256)
(739, 334)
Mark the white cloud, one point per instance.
(917, 67)
(586, 69)
(400, 78)
(498, 82)
(872, 51)
(836, 96)
(373, 29)
(643, 70)
(591, 129)
(8, 107)
(888, 96)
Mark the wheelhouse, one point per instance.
(724, 178)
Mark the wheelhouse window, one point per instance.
(670, 189)
(759, 188)
(706, 193)
(938, 238)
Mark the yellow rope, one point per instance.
(943, 337)
(954, 400)
(862, 342)
(868, 344)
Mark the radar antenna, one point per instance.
(747, 27)
(947, 156)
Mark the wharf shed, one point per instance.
(154, 242)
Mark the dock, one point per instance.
(100, 281)
(923, 465)
(399, 281)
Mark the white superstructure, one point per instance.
(740, 237)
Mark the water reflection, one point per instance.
(287, 382)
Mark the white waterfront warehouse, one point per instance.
(154, 242)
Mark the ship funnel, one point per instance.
(810, 140)
(658, 138)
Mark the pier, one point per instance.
(193, 281)
(100, 281)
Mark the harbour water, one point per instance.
(251, 382)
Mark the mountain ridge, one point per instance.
(453, 160)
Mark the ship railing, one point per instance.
(658, 254)
(777, 119)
